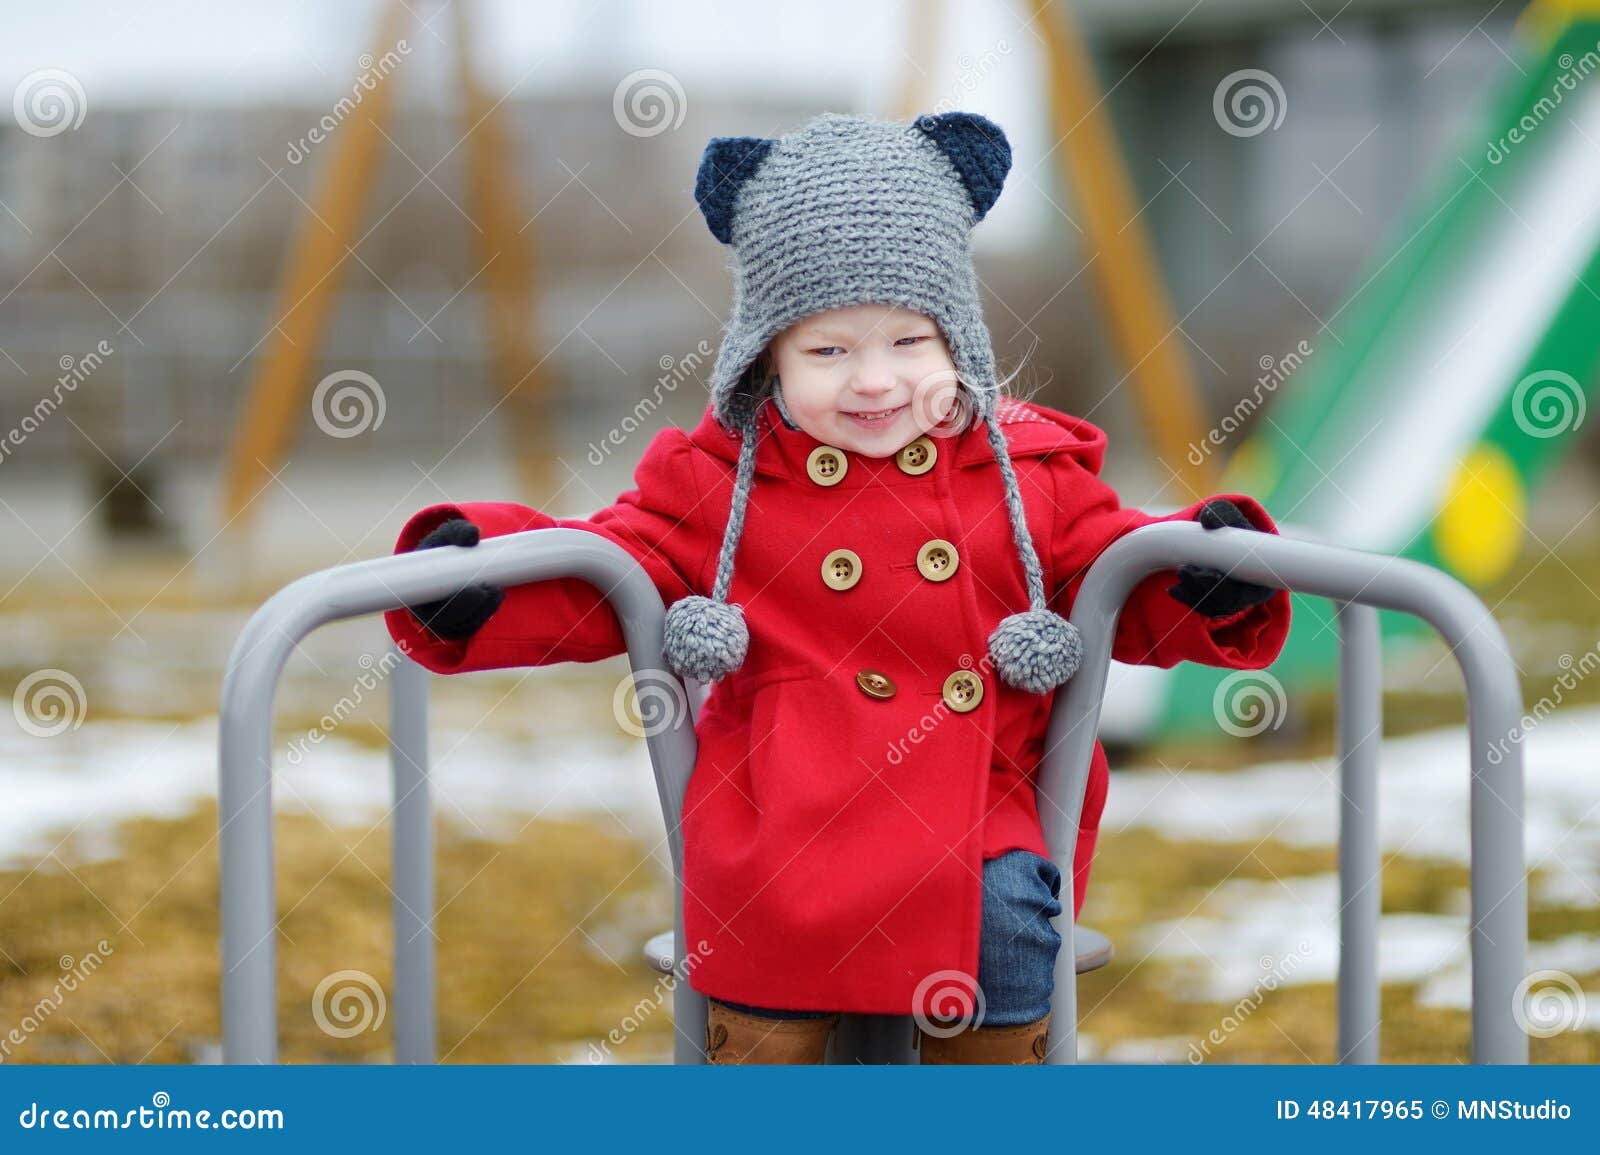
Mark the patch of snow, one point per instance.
(1570, 956)
(1167, 1049)
(87, 781)
(1249, 937)
(1423, 795)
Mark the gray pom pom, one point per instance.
(1036, 650)
(705, 638)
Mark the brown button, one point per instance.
(841, 569)
(918, 457)
(963, 690)
(937, 560)
(875, 685)
(826, 465)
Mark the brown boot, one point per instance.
(734, 1037)
(1024, 1043)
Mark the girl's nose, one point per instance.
(872, 377)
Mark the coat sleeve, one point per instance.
(661, 522)
(1155, 629)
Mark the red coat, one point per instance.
(833, 838)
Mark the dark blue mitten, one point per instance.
(463, 613)
(1210, 591)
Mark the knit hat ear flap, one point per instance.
(1038, 649)
(706, 638)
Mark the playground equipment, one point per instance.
(274, 408)
(1140, 320)
(1463, 361)
(1359, 582)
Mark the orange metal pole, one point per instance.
(506, 264)
(1137, 309)
(925, 20)
(275, 403)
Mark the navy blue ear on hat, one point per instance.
(979, 150)
(728, 162)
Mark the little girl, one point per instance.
(861, 832)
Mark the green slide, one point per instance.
(1468, 353)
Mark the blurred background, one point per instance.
(275, 276)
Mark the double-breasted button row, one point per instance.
(937, 561)
(826, 465)
(962, 690)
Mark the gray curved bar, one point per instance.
(1499, 919)
(249, 955)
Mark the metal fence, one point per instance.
(1359, 582)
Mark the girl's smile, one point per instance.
(876, 419)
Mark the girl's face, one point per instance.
(837, 368)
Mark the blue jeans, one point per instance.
(1017, 946)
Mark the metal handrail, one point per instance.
(249, 950)
(1357, 580)
(1499, 918)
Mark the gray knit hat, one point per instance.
(845, 211)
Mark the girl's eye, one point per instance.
(913, 340)
(825, 350)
